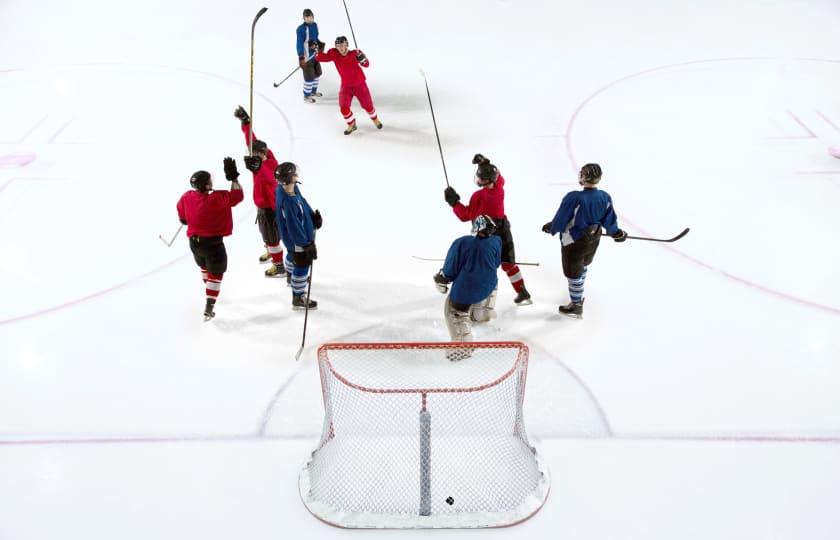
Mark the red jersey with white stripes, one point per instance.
(209, 214)
(348, 67)
(265, 184)
(489, 201)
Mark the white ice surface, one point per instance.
(708, 115)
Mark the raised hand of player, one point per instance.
(360, 56)
(478, 159)
(230, 169)
(253, 163)
(451, 196)
(242, 114)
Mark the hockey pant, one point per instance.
(267, 224)
(360, 92)
(211, 257)
(299, 275)
(311, 75)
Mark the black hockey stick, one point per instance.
(292, 73)
(169, 244)
(440, 260)
(437, 136)
(674, 239)
(355, 46)
(306, 313)
(251, 78)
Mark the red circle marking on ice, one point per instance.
(834, 150)
(571, 154)
(16, 160)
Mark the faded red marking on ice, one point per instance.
(16, 160)
(811, 134)
(571, 154)
(827, 120)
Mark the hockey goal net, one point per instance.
(412, 439)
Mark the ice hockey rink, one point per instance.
(699, 398)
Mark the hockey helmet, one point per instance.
(483, 226)
(285, 172)
(259, 146)
(590, 173)
(340, 39)
(200, 180)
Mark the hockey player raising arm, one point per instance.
(349, 64)
(262, 165)
(297, 223)
(471, 265)
(490, 201)
(208, 217)
(579, 220)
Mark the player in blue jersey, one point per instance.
(579, 220)
(471, 265)
(297, 223)
(307, 47)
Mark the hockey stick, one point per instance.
(437, 136)
(251, 99)
(174, 236)
(674, 239)
(355, 46)
(439, 260)
(306, 313)
(292, 73)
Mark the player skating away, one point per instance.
(208, 217)
(490, 201)
(297, 223)
(353, 84)
(307, 47)
(262, 165)
(579, 220)
(471, 266)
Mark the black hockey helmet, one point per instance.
(486, 173)
(308, 13)
(285, 172)
(483, 226)
(200, 180)
(590, 173)
(341, 39)
(259, 146)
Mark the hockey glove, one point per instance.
(317, 220)
(547, 228)
(451, 196)
(253, 163)
(310, 251)
(230, 169)
(302, 62)
(321, 46)
(478, 159)
(441, 282)
(620, 236)
(242, 115)
(360, 56)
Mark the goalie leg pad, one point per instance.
(457, 322)
(484, 311)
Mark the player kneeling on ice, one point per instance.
(262, 164)
(353, 83)
(208, 217)
(579, 220)
(490, 201)
(297, 223)
(471, 265)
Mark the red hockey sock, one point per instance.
(204, 275)
(214, 284)
(276, 253)
(515, 277)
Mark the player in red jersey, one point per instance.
(262, 164)
(208, 217)
(490, 201)
(353, 83)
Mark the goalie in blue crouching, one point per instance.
(471, 265)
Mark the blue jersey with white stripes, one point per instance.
(579, 210)
(306, 32)
(471, 264)
(294, 219)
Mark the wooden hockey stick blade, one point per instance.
(441, 260)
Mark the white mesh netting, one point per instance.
(412, 439)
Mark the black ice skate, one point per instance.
(299, 303)
(523, 298)
(275, 270)
(572, 310)
(351, 128)
(208, 310)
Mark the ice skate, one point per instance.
(317, 94)
(572, 310)
(275, 270)
(378, 123)
(265, 257)
(308, 99)
(208, 310)
(350, 128)
(299, 303)
(523, 298)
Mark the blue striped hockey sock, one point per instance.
(299, 280)
(576, 287)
